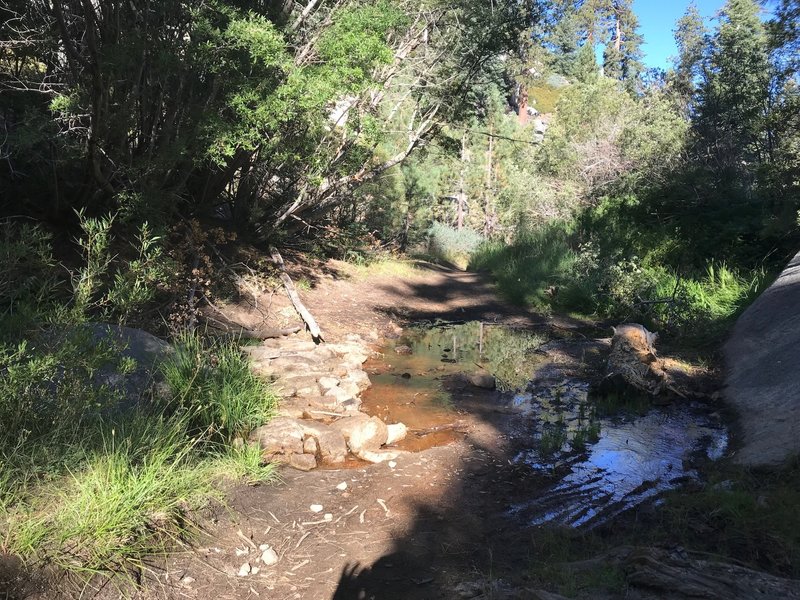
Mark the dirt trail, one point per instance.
(417, 528)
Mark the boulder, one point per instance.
(330, 442)
(280, 436)
(482, 380)
(362, 432)
(395, 433)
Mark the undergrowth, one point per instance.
(92, 481)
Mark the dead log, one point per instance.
(288, 284)
(633, 364)
(679, 574)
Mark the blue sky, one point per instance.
(657, 23)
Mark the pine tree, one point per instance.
(586, 68)
(735, 93)
(622, 55)
(691, 40)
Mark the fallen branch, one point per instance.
(458, 427)
(308, 319)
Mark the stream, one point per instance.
(595, 457)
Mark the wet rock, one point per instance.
(395, 433)
(330, 442)
(363, 432)
(280, 436)
(403, 349)
(303, 462)
(482, 380)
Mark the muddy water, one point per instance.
(411, 386)
(594, 459)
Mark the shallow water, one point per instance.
(592, 466)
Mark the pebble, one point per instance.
(315, 508)
(244, 570)
(328, 517)
(392, 464)
(269, 557)
(342, 486)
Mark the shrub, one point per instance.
(452, 245)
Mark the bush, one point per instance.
(452, 245)
(83, 485)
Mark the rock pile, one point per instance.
(319, 418)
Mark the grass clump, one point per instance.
(217, 389)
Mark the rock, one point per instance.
(244, 570)
(339, 395)
(327, 517)
(303, 462)
(485, 381)
(269, 557)
(310, 446)
(362, 432)
(378, 456)
(403, 349)
(326, 383)
(330, 441)
(350, 388)
(280, 436)
(395, 432)
(342, 486)
(360, 378)
(392, 464)
(144, 349)
(315, 508)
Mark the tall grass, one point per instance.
(217, 389)
(528, 270)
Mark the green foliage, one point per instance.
(544, 97)
(452, 245)
(214, 385)
(528, 269)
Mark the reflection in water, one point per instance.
(604, 465)
(635, 459)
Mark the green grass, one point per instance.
(530, 269)
(121, 487)
(216, 387)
